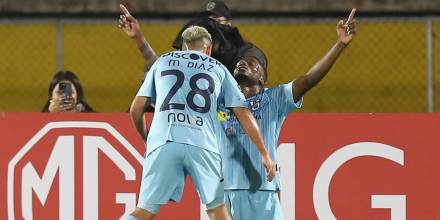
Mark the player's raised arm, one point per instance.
(250, 126)
(131, 27)
(346, 31)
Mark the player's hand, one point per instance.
(62, 104)
(128, 23)
(346, 30)
(270, 167)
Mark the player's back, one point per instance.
(188, 85)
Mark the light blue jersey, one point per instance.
(186, 87)
(242, 167)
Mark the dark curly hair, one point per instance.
(250, 50)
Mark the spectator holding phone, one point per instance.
(66, 94)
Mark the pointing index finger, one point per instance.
(351, 16)
(124, 10)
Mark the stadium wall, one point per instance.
(383, 70)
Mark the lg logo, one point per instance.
(63, 160)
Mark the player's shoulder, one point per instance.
(280, 86)
(164, 58)
(169, 55)
(221, 67)
(272, 90)
(275, 90)
(195, 60)
(172, 58)
(190, 55)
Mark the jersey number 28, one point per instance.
(195, 90)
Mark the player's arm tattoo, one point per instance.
(146, 51)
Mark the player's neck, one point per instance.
(251, 90)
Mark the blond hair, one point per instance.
(196, 37)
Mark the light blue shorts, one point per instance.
(261, 205)
(165, 169)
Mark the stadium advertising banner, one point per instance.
(334, 166)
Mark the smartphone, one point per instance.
(65, 90)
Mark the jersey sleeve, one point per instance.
(284, 97)
(231, 94)
(148, 88)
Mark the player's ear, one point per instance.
(208, 49)
(184, 46)
(261, 80)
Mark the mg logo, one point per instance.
(74, 170)
(326, 172)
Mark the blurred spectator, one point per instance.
(215, 17)
(66, 94)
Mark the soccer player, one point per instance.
(248, 194)
(243, 178)
(186, 87)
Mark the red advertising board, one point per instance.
(74, 166)
(339, 166)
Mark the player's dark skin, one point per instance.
(251, 78)
(252, 71)
(249, 73)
